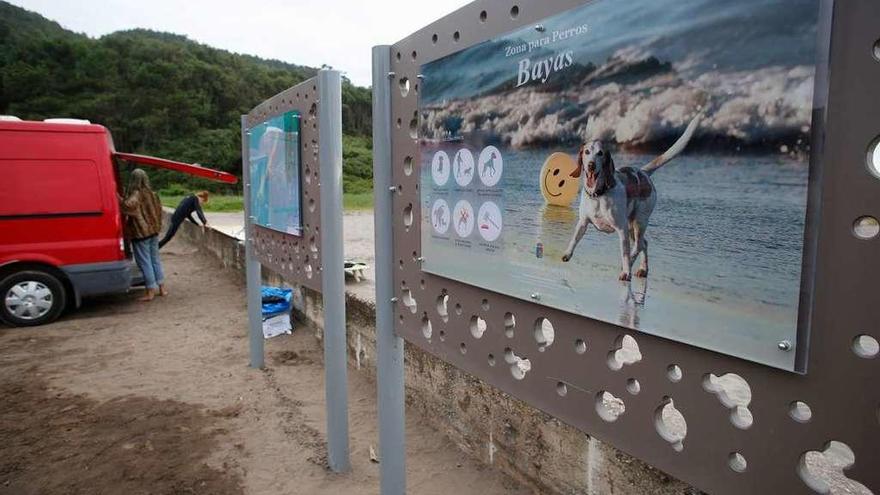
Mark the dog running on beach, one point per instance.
(620, 201)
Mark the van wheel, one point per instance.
(31, 298)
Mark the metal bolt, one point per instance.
(394, 299)
(784, 345)
(420, 259)
(536, 296)
(391, 75)
(540, 28)
(420, 76)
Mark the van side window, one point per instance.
(49, 187)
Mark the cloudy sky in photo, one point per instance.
(339, 33)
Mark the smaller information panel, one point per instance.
(275, 174)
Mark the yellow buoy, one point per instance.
(557, 185)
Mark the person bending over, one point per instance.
(143, 221)
(188, 205)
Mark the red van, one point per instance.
(60, 222)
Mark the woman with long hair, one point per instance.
(143, 222)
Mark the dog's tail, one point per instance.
(676, 148)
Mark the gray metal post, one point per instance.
(389, 347)
(254, 278)
(333, 268)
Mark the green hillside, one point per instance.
(159, 93)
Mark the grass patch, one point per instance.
(350, 201)
(357, 201)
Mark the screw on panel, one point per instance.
(784, 345)
(420, 259)
(420, 76)
(536, 296)
(540, 28)
(394, 299)
(391, 75)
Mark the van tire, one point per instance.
(41, 281)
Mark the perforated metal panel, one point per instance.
(297, 259)
(739, 427)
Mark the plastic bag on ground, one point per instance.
(276, 311)
(276, 300)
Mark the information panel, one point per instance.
(644, 163)
(275, 172)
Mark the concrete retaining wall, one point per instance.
(486, 423)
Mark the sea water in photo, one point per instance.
(726, 236)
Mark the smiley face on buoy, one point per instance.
(557, 185)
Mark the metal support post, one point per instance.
(254, 278)
(389, 347)
(332, 272)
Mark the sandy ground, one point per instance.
(129, 397)
(359, 244)
(126, 397)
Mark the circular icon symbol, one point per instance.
(440, 168)
(489, 221)
(463, 218)
(490, 166)
(558, 186)
(463, 167)
(440, 216)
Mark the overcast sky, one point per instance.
(339, 33)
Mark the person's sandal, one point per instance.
(148, 296)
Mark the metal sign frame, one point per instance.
(300, 259)
(590, 370)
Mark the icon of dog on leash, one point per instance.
(440, 218)
(489, 166)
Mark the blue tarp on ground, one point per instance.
(276, 300)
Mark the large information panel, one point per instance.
(644, 163)
(275, 174)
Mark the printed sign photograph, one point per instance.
(642, 163)
(274, 172)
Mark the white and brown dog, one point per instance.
(620, 201)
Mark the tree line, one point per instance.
(159, 93)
